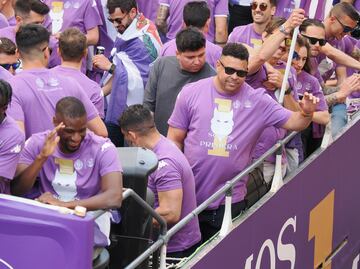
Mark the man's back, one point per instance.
(35, 94)
(174, 172)
(165, 82)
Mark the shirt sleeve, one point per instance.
(167, 177)
(109, 160)
(92, 17)
(15, 108)
(180, 118)
(151, 87)
(221, 8)
(164, 3)
(30, 151)
(10, 155)
(89, 106)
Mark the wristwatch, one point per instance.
(283, 30)
(112, 68)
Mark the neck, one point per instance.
(328, 35)
(259, 28)
(8, 10)
(32, 64)
(151, 140)
(74, 65)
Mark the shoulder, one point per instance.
(100, 144)
(10, 131)
(197, 87)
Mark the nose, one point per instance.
(76, 137)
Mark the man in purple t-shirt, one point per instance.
(11, 140)
(217, 121)
(169, 19)
(196, 14)
(9, 58)
(72, 49)
(262, 11)
(37, 89)
(173, 181)
(75, 167)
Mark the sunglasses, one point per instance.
(346, 29)
(314, 40)
(230, 71)
(117, 20)
(14, 65)
(262, 6)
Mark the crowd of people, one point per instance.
(196, 85)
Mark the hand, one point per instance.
(275, 78)
(350, 84)
(309, 103)
(101, 62)
(48, 198)
(51, 142)
(296, 19)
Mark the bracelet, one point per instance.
(219, 43)
(306, 115)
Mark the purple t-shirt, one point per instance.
(91, 88)
(213, 52)
(35, 94)
(174, 172)
(96, 157)
(5, 74)
(12, 21)
(3, 21)
(148, 8)
(8, 32)
(247, 35)
(11, 144)
(83, 15)
(221, 133)
(175, 19)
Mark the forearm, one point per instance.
(330, 90)
(290, 103)
(321, 117)
(334, 98)
(340, 57)
(24, 180)
(168, 215)
(221, 31)
(162, 14)
(107, 87)
(92, 36)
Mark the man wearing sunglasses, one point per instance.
(9, 58)
(11, 140)
(262, 11)
(217, 122)
(136, 46)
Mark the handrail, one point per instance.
(163, 239)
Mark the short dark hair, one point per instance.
(137, 118)
(30, 37)
(23, 7)
(274, 24)
(196, 14)
(72, 45)
(5, 93)
(124, 5)
(273, 3)
(311, 22)
(236, 50)
(70, 107)
(7, 46)
(190, 39)
(345, 9)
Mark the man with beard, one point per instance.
(137, 45)
(262, 11)
(75, 167)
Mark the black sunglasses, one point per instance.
(314, 40)
(14, 65)
(230, 71)
(262, 6)
(117, 20)
(346, 28)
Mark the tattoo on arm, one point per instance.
(331, 99)
(330, 90)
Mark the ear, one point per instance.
(132, 135)
(273, 10)
(133, 12)
(206, 26)
(19, 20)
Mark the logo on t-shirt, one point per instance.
(162, 164)
(222, 124)
(16, 149)
(105, 146)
